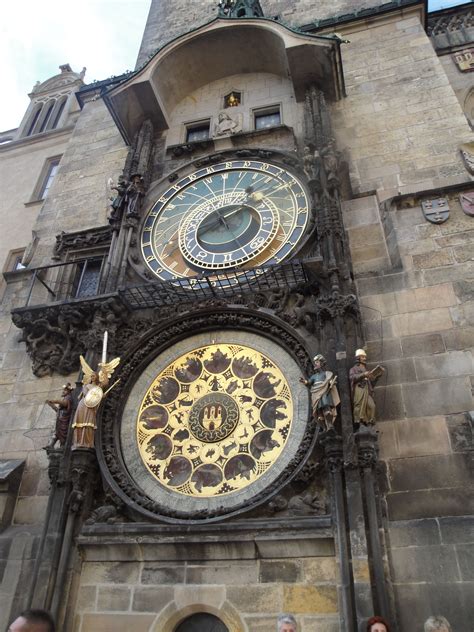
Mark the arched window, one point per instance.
(34, 119)
(58, 110)
(48, 108)
(201, 622)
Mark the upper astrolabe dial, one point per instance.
(234, 215)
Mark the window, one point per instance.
(14, 259)
(267, 117)
(48, 177)
(47, 114)
(33, 120)
(58, 110)
(87, 277)
(197, 132)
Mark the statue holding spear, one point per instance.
(94, 382)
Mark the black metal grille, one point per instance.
(160, 293)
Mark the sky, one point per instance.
(102, 35)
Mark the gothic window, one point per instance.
(58, 110)
(33, 119)
(267, 117)
(202, 622)
(197, 132)
(47, 109)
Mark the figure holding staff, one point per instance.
(94, 382)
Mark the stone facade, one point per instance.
(399, 129)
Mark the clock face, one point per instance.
(234, 215)
(213, 421)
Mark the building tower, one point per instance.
(284, 204)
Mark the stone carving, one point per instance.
(467, 152)
(467, 203)
(305, 504)
(227, 124)
(140, 157)
(324, 395)
(30, 249)
(362, 389)
(134, 196)
(88, 238)
(55, 336)
(464, 59)
(240, 9)
(312, 164)
(436, 211)
(84, 423)
(63, 409)
(118, 202)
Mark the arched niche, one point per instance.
(202, 621)
(219, 49)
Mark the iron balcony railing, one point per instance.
(83, 279)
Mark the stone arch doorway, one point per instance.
(202, 622)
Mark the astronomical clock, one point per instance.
(215, 418)
(234, 214)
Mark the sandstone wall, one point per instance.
(401, 123)
(246, 583)
(168, 19)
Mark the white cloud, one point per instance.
(36, 37)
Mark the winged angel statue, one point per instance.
(94, 382)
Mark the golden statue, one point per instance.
(94, 382)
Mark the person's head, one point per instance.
(361, 356)
(286, 623)
(67, 388)
(437, 624)
(33, 621)
(319, 361)
(377, 624)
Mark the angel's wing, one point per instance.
(109, 367)
(110, 184)
(86, 370)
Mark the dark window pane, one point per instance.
(196, 134)
(33, 122)
(58, 114)
(269, 119)
(87, 278)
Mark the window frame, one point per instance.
(195, 125)
(44, 184)
(267, 110)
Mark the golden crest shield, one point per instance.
(93, 397)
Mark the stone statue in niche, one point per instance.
(118, 202)
(324, 394)
(63, 409)
(362, 389)
(134, 196)
(311, 164)
(227, 125)
(331, 159)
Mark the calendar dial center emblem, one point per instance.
(235, 215)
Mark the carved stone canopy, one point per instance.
(214, 51)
